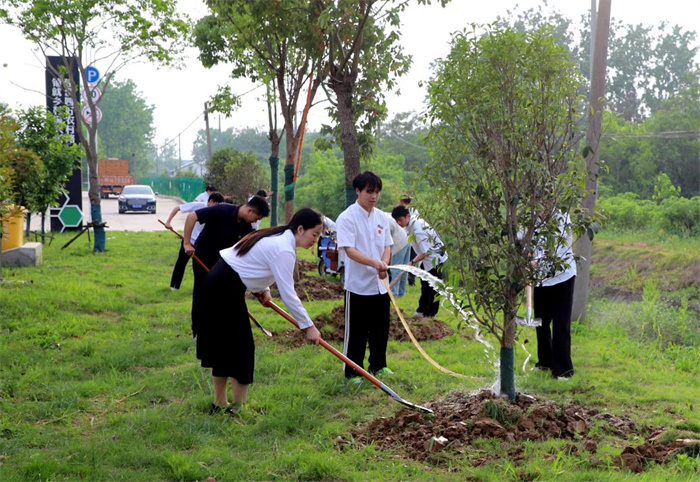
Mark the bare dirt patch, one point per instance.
(461, 418)
(312, 287)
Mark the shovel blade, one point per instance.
(415, 407)
(533, 322)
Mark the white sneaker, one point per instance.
(418, 314)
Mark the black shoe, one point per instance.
(214, 409)
(540, 366)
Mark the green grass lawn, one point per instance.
(99, 381)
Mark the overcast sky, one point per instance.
(179, 95)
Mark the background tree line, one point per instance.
(650, 128)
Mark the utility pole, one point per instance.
(599, 61)
(594, 15)
(206, 120)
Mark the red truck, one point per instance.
(113, 176)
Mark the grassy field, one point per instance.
(99, 381)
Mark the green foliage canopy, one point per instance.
(127, 130)
(646, 64)
(39, 133)
(237, 174)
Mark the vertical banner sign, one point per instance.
(58, 95)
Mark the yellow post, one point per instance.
(13, 228)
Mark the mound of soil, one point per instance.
(461, 418)
(636, 458)
(332, 328)
(312, 287)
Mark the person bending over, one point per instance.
(225, 340)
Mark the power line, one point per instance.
(389, 134)
(166, 144)
(667, 135)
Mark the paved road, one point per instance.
(129, 221)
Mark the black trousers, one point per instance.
(553, 304)
(426, 303)
(179, 268)
(366, 322)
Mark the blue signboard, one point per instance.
(92, 74)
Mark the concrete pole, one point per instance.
(595, 121)
(594, 15)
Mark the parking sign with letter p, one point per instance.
(92, 74)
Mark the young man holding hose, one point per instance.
(363, 234)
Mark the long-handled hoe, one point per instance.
(378, 383)
(204, 267)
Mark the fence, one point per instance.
(186, 188)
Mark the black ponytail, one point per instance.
(307, 218)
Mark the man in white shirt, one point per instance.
(204, 197)
(182, 257)
(363, 235)
(430, 256)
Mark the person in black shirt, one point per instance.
(224, 225)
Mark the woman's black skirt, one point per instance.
(225, 339)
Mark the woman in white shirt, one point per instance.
(554, 297)
(225, 344)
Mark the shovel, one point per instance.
(378, 383)
(204, 267)
(528, 320)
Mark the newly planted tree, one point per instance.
(109, 33)
(504, 111)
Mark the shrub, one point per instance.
(680, 216)
(626, 212)
(674, 215)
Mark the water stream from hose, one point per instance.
(447, 292)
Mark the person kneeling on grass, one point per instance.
(225, 342)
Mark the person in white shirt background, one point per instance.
(405, 201)
(363, 235)
(225, 339)
(430, 256)
(263, 194)
(204, 197)
(553, 300)
(400, 254)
